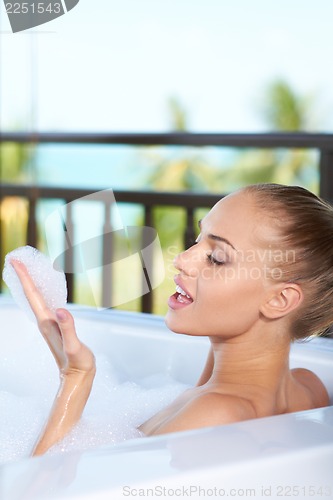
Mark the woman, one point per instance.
(252, 284)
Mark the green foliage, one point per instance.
(294, 167)
(284, 109)
(187, 172)
(178, 116)
(14, 158)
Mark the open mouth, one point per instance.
(179, 299)
(182, 296)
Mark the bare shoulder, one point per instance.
(206, 410)
(313, 386)
(226, 407)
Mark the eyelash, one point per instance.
(212, 260)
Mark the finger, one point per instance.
(46, 319)
(50, 331)
(66, 324)
(79, 356)
(31, 292)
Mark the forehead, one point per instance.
(238, 218)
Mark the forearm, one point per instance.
(67, 409)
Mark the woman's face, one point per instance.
(225, 274)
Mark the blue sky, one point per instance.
(112, 66)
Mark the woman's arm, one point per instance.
(75, 361)
(76, 380)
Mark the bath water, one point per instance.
(113, 412)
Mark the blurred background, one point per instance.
(161, 76)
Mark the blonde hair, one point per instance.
(304, 223)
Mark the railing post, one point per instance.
(108, 250)
(326, 174)
(32, 223)
(69, 256)
(189, 235)
(147, 298)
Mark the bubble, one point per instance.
(51, 283)
(112, 415)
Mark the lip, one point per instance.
(179, 282)
(173, 303)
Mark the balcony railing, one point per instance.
(148, 199)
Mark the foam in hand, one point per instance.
(51, 283)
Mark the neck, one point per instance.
(259, 361)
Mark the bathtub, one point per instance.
(278, 457)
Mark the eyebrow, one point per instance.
(215, 237)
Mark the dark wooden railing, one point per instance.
(148, 199)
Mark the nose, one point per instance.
(185, 262)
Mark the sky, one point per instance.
(113, 66)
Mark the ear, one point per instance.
(282, 300)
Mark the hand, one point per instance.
(75, 361)
(57, 328)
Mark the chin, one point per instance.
(174, 324)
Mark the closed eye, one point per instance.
(213, 260)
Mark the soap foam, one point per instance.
(51, 283)
(27, 388)
(114, 410)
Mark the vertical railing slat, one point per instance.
(107, 257)
(32, 222)
(147, 298)
(69, 254)
(189, 234)
(326, 177)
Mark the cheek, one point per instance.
(233, 295)
(231, 312)
(229, 284)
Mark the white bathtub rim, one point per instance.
(149, 461)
